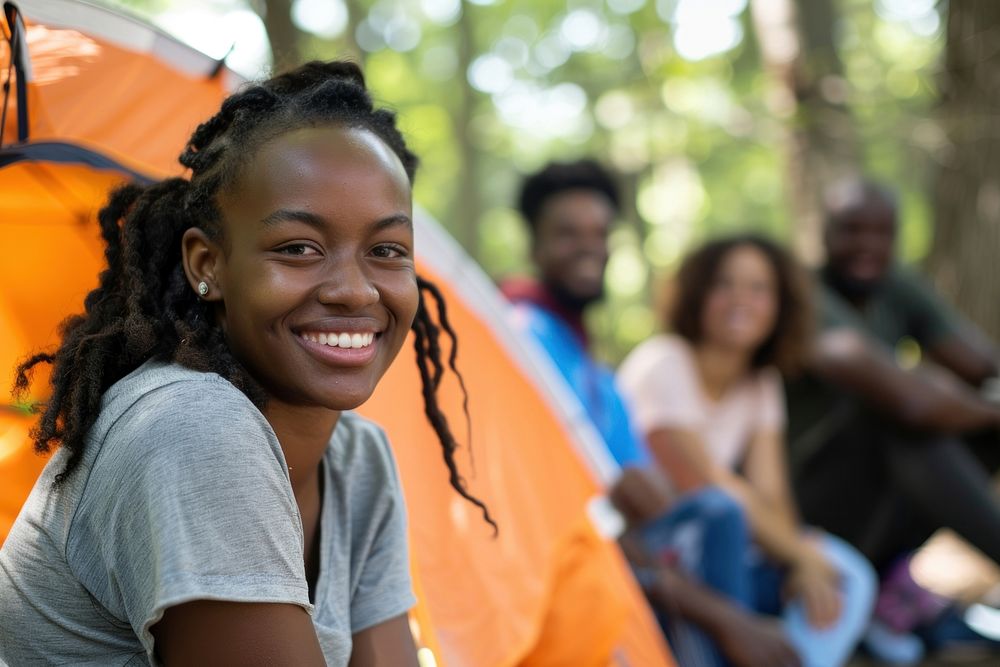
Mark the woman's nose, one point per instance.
(348, 286)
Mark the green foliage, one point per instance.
(692, 135)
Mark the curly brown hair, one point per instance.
(787, 346)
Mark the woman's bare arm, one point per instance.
(385, 645)
(211, 632)
(683, 455)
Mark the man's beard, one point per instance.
(850, 288)
(574, 302)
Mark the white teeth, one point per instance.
(343, 340)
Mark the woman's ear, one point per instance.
(200, 257)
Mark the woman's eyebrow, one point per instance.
(317, 221)
(392, 221)
(287, 215)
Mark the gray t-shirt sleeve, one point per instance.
(189, 499)
(383, 589)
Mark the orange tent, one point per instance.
(95, 100)
(100, 98)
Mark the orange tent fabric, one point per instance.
(559, 594)
(119, 110)
(103, 80)
(109, 98)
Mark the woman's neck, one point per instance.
(304, 434)
(720, 367)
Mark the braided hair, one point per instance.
(144, 307)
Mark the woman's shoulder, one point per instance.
(357, 437)
(360, 456)
(162, 389)
(164, 409)
(162, 431)
(658, 349)
(169, 437)
(169, 379)
(658, 368)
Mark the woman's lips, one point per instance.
(340, 348)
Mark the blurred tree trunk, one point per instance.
(798, 51)
(468, 203)
(355, 13)
(963, 258)
(285, 38)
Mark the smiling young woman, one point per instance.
(710, 400)
(211, 501)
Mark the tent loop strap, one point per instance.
(17, 54)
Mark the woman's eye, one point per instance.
(297, 250)
(389, 251)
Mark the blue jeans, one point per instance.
(707, 536)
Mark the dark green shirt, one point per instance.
(903, 307)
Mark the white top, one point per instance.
(663, 385)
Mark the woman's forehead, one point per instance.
(323, 166)
(333, 146)
(323, 157)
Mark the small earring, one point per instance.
(202, 288)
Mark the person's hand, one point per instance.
(813, 580)
(641, 494)
(756, 641)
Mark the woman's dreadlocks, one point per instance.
(144, 306)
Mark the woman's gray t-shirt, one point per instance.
(183, 494)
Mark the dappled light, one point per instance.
(669, 92)
(323, 18)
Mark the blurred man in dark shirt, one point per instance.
(883, 452)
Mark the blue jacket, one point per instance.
(590, 381)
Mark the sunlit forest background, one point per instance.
(716, 115)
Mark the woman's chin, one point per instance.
(337, 400)
(739, 343)
(351, 402)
